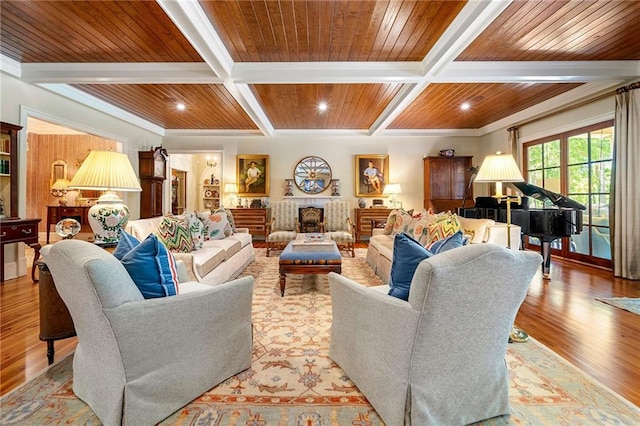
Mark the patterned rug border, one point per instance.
(589, 377)
(629, 304)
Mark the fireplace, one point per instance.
(310, 218)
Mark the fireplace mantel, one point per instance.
(311, 201)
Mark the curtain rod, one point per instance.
(632, 86)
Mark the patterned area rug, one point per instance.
(631, 304)
(293, 382)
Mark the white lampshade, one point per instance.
(61, 184)
(60, 189)
(230, 188)
(499, 168)
(107, 171)
(392, 188)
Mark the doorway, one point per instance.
(178, 191)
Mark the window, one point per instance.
(577, 164)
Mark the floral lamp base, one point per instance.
(108, 218)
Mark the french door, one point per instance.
(577, 164)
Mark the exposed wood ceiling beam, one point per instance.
(470, 22)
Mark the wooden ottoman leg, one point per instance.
(283, 283)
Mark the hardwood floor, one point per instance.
(562, 314)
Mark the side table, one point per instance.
(55, 320)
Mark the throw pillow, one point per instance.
(407, 254)
(153, 268)
(443, 228)
(451, 242)
(391, 219)
(196, 229)
(229, 218)
(126, 243)
(175, 234)
(402, 223)
(216, 226)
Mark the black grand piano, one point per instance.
(562, 218)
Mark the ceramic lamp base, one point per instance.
(108, 218)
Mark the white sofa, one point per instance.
(380, 250)
(216, 262)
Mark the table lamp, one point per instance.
(231, 188)
(109, 172)
(60, 189)
(392, 189)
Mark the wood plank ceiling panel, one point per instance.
(560, 31)
(208, 106)
(438, 106)
(350, 106)
(311, 30)
(91, 31)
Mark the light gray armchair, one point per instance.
(438, 358)
(137, 361)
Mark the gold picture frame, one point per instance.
(252, 175)
(370, 179)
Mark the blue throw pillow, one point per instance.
(451, 242)
(407, 254)
(126, 243)
(153, 268)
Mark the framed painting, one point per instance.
(252, 175)
(372, 174)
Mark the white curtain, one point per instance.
(625, 191)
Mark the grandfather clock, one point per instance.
(152, 165)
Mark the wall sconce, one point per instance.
(211, 162)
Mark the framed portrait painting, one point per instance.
(252, 175)
(372, 174)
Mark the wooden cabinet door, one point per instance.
(445, 182)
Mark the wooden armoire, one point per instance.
(446, 180)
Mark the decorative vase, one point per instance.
(362, 203)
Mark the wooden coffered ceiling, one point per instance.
(382, 67)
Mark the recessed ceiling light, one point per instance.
(322, 106)
(180, 106)
(465, 106)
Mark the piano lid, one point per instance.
(545, 195)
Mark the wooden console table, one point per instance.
(365, 218)
(79, 213)
(19, 231)
(253, 218)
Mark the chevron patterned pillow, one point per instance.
(175, 234)
(443, 228)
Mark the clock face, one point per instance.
(158, 167)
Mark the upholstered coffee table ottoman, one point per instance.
(310, 258)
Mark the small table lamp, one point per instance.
(60, 189)
(392, 189)
(109, 172)
(231, 188)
